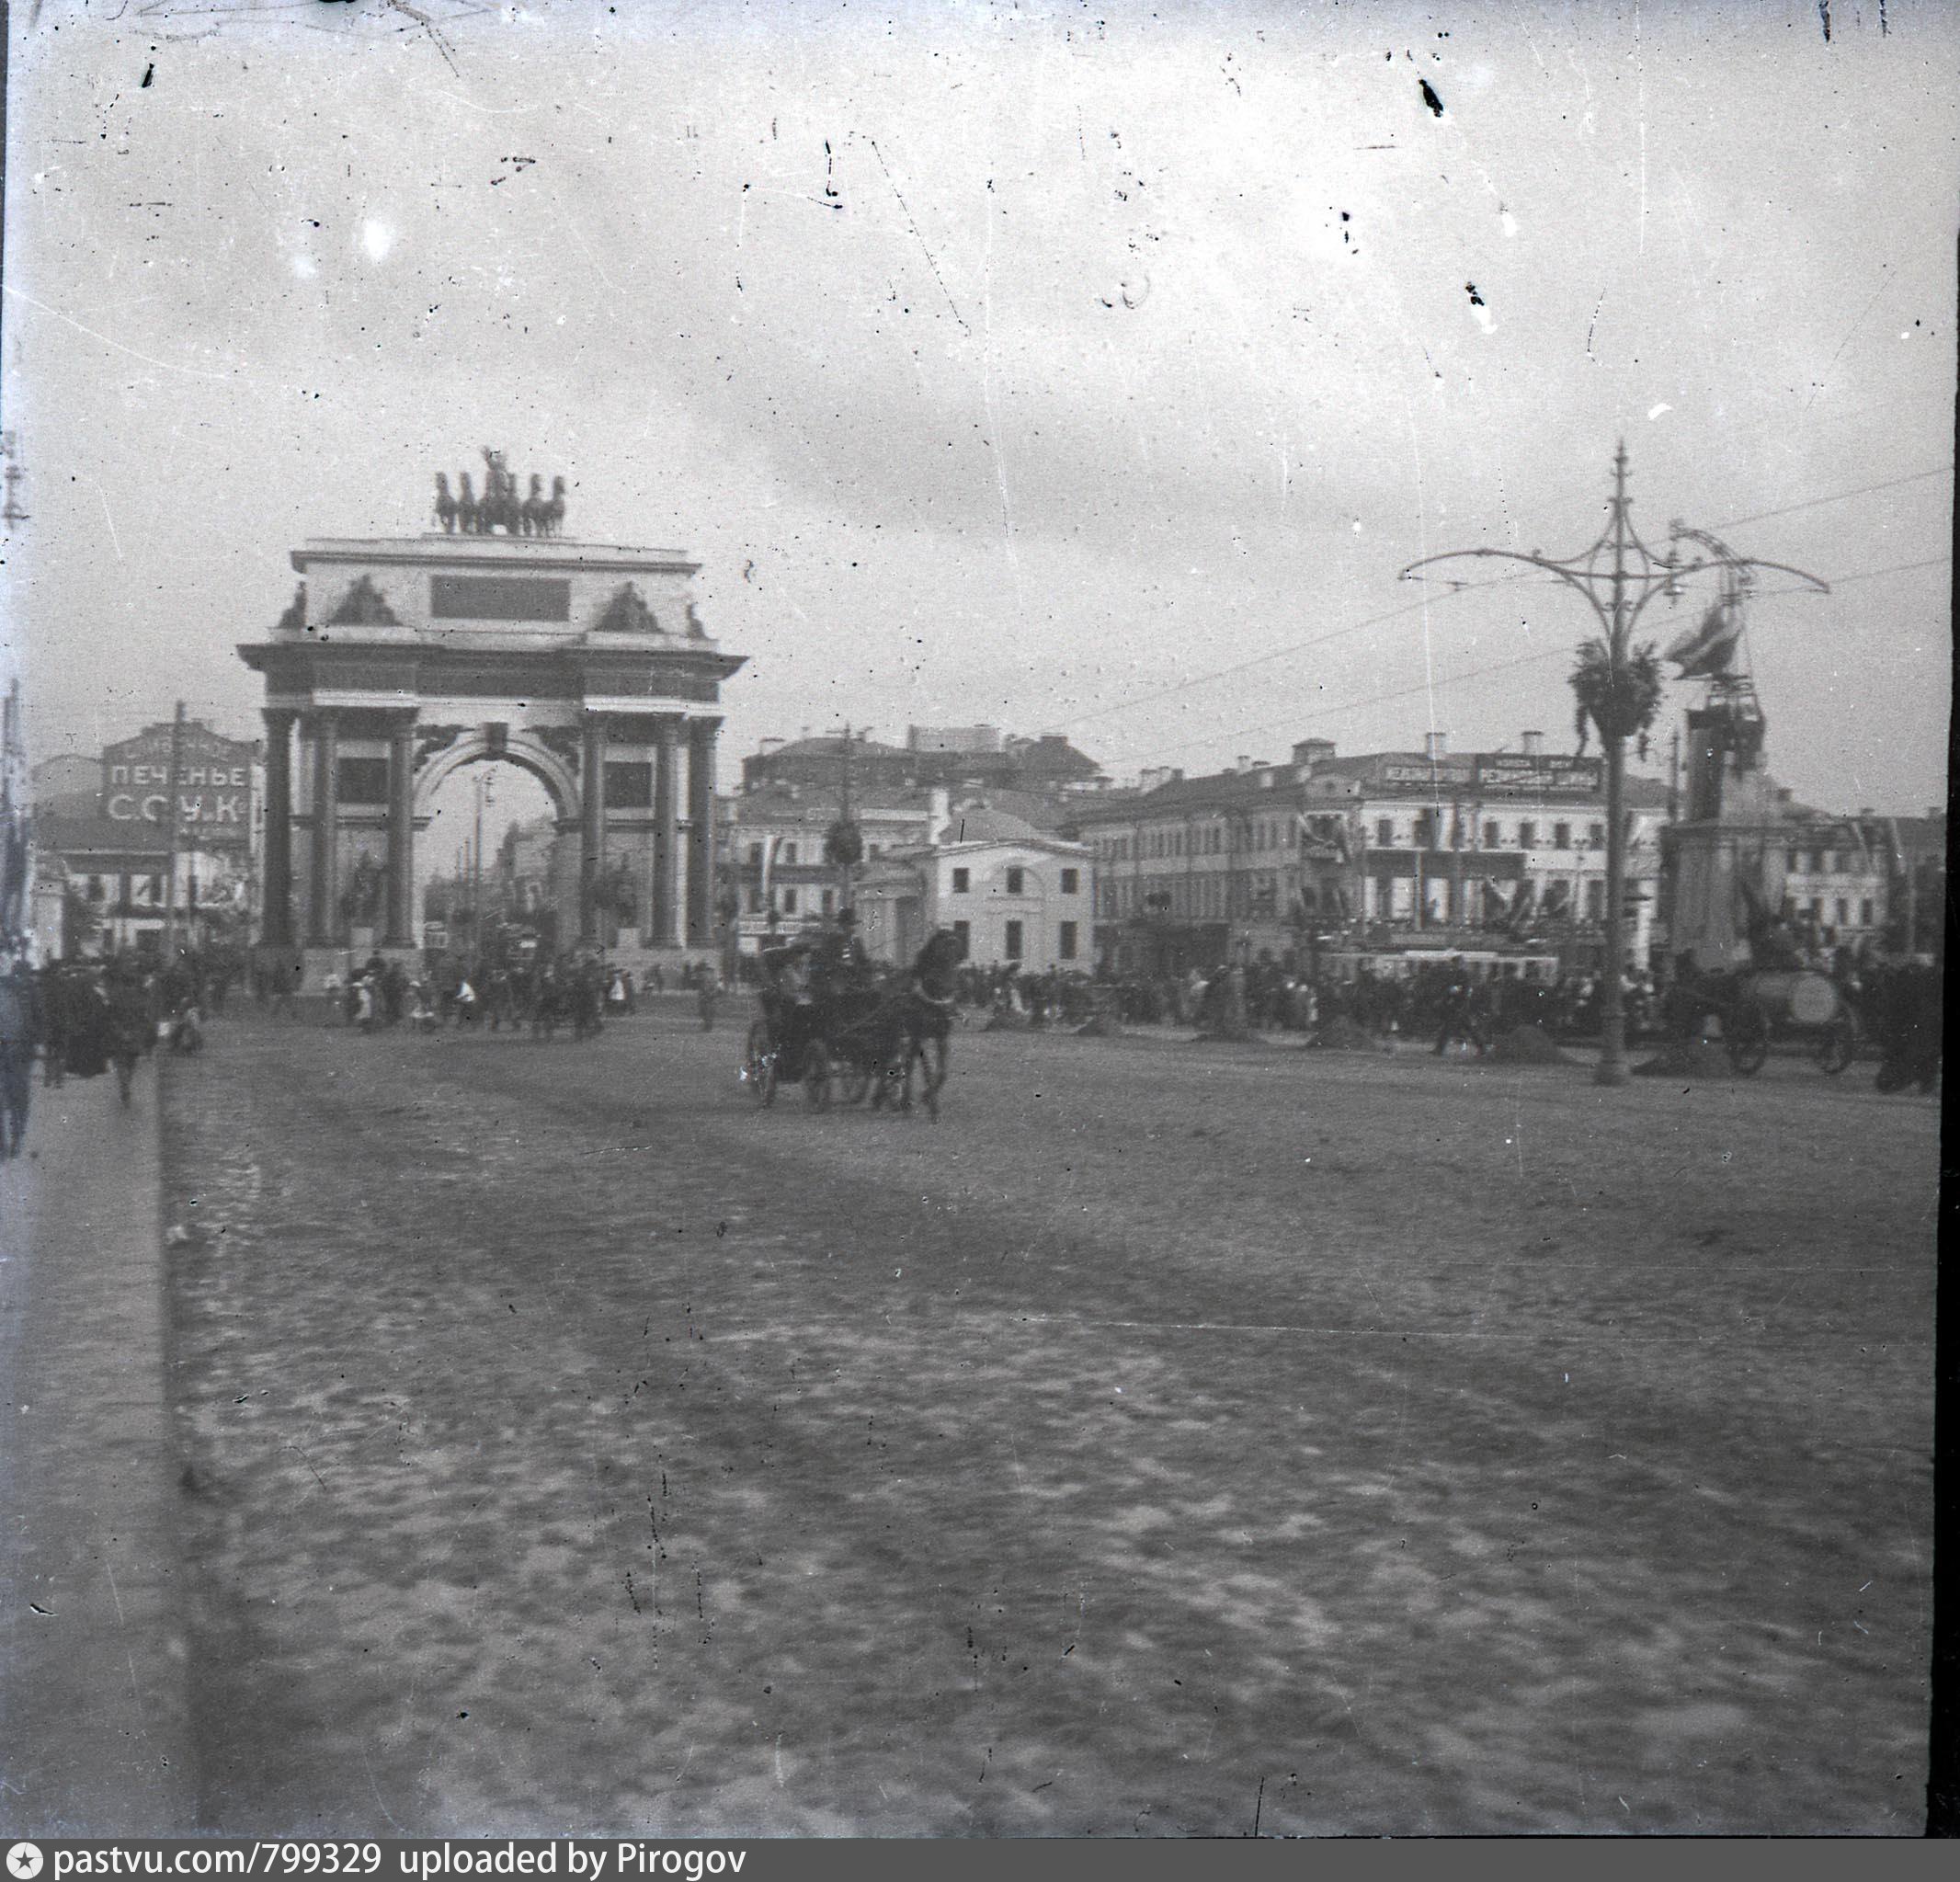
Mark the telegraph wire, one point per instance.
(1763, 516)
(1352, 705)
(1478, 672)
(1461, 588)
(1280, 652)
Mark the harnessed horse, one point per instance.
(929, 1017)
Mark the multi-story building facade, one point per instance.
(106, 825)
(977, 757)
(1013, 895)
(1380, 856)
(774, 863)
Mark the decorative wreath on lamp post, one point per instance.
(843, 845)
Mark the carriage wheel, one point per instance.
(816, 1076)
(1748, 1041)
(758, 1065)
(1836, 1049)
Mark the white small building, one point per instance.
(1012, 895)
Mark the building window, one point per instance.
(1423, 834)
(1844, 911)
(1864, 913)
(1561, 835)
(755, 854)
(1596, 836)
(789, 853)
(1015, 880)
(1595, 900)
(1065, 941)
(1491, 838)
(874, 849)
(1385, 833)
(789, 901)
(960, 880)
(1796, 863)
(1013, 941)
(95, 888)
(1071, 882)
(962, 933)
(831, 901)
(1527, 835)
(755, 899)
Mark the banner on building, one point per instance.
(214, 783)
(1540, 776)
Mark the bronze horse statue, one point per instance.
(500, 506)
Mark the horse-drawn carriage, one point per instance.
(848, 1033)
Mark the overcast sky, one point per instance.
(1006, 363)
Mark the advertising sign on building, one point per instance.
(214, 783)
(1443, 771)
(1541, 776)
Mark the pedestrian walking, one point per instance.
(18, 1006)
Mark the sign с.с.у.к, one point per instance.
(213, 782)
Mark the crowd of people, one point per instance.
(84, 1018)
(1447, 1003)
(1267, 995)
(576, 989)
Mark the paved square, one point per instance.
(1175, 1438)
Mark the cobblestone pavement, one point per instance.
(1176, 1439)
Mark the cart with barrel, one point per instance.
(1758, 1009)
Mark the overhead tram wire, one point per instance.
(1280, 652)
(1462, 587)
(1478, 672)
(1351, 705)
(1763, 516)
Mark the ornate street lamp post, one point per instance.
(1618, 575)
(844, 841)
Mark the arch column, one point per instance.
(592, 827)
(323, 915)
(666, 851)
(274, 922)
(401, 913)
(701, 831)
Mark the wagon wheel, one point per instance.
(816, 1076)
(1747, 1030)
(854, 1083)
(758, 1064)
(1837, 1047)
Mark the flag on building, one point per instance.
(1706, 649)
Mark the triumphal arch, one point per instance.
(496, 639)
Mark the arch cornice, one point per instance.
(520, 748)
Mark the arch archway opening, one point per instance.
(496, 870)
